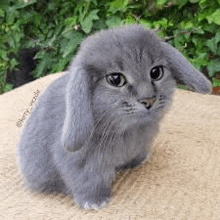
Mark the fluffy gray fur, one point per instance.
(83, 129)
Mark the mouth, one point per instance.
(146, 115)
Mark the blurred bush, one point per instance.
(55, 29)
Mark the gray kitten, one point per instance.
(103, 114)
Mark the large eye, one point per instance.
(156, 73)
(116, 79)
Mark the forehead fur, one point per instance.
(130, 44)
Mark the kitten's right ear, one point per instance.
(183, 71)
(78, 121)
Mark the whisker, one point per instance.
(100, 120)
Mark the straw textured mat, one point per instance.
(180, 181)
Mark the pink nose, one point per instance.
(148, 102)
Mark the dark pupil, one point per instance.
(155, 73)
(115, 79)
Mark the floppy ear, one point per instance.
(78, 121)
(183, 71)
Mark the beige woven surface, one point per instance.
(180, 181)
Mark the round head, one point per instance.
(130, 77)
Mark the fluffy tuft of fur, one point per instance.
(103, 114)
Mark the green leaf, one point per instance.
(71, 21)
(67, 32)
(118, 5)
(95, 2)
(11, 41)
(3, 55)
(99, 24)
(55, 33)
(60, 66)
(161, 2)
(50, 33)
(2, 13)
(181, 3)
(214, 67)
(198, 30)
(204, 3)
(42, 66)
(130, 20)
(87, 23)
(113, 21)
(11, 14)
(72, 44)
(217, 37)
(204, 14)
(161, 34)
(51, 6)
(23, 4)
(4, 4)
(8, 87)
(215, 82)
(180, 40)
(212, 45)
(210, 28)
(146, 24)
(163, 23)
(13, 63)
(214, 18)
(200, 61)
(188, 25)
(30, 43)
(183, 87)
(194, 1)
(40, 55)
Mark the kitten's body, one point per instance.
(102, 115)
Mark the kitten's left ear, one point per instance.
(183, 71)
(78, 122)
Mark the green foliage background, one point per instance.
(57, 27)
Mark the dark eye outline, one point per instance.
(111, 76)
(161, 72)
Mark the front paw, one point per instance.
(93, 199)
(91, 205)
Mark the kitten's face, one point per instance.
(130, 98)
(132, 82)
